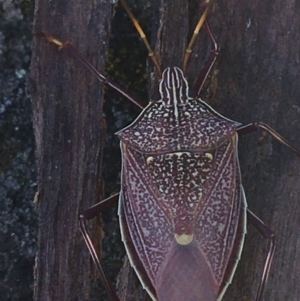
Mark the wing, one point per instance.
(182, 212)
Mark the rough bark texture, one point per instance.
(69, 132)
(255, 79)
(258, 81)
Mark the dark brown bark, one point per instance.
(258, 81)
(69, 131)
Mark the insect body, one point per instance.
(182, 204)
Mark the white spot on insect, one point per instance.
(221, 227)
(214, 223)
(184, 239)
(166, 114)
(202, 180)
(137, 134)
(195, 174)
(149, 160)
(179, 154)
(196, 197)
(146, 232)
(209, 156)
(187, 114)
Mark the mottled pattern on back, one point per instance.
(178, 180)
(169, 199)
(180, 176)
(197, 127)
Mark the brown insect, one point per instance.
(182, 207)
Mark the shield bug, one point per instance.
(182, 206)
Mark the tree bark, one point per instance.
(258, 81)
(69, 131)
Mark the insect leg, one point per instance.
(73, 51)
(267, 233)
(209, 63)
(207, 4)
(83, 218)
(253, 127)
(143, 37)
